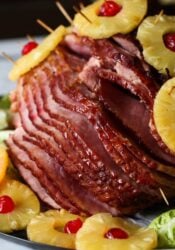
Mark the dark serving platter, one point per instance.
(20, 238)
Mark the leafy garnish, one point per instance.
(5, 113)
(164, 225)
(5, 102)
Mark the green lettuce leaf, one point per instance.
(5, 102)
(164, 225)
(3, 119)
(5, 113)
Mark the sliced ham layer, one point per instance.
(75, 142)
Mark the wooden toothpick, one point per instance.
(44, 25)
(81, 5)
(81, 13)
(30, 38)
(64, 12)
(164, 196)
(9, 58)
(159, 16)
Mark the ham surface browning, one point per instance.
(80, 142)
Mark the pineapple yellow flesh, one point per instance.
(26, 206)
(91, 235)
(164, 113)
(4, 162)
(48, 228)
(37, 55)
(150, 34)
(126, 20)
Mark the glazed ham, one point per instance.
(83, 140)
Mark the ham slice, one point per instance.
(76, 142)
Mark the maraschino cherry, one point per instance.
(109, 8)
(116, 233)
(29, 47)
(73, 226)
(169, 41)
(7, 205)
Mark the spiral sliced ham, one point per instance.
(81, 143)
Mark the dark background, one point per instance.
(18, 17)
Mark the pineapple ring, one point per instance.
(150, 34)
(37, 55)
(48, 227)
(126, 20)
(26, 206)
(4, 162)
(91, 235)
(164, 113)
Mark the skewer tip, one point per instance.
(164, 196)
(44, 25)
(159, 16)
(64, 12)
(82, 14)
(9, 58)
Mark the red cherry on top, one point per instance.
(28, 47)
(109, 8)
(7, 205)
(169, 41)
(116, 233)
(73, 226)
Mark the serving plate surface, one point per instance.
(19, 239)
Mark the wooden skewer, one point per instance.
(30, 38)
(81, 5)
(164, 197)
(45, 26)
(81, 13)
(159, 16)
(9, 58)
(64, 12)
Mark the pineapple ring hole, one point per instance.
(116, 233)
(109, 8)
(61, 218)
(7, 204)
(59, 228)
(169, 41)
(59, 225)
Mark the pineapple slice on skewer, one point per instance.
(164, 113)
(50, 228)
(126, 235)
(151, 34)
(38, 54)
(127, 19)
(18, 205)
